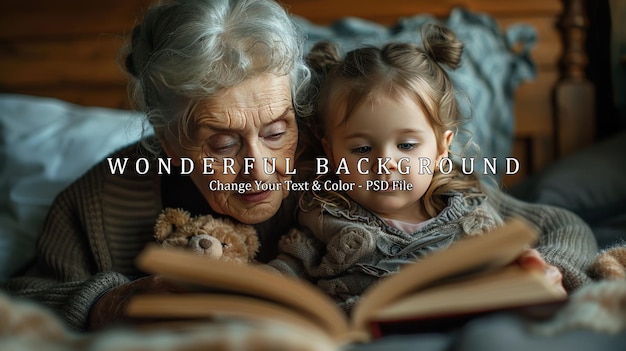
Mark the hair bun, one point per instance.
(442, 45)
(323, 56)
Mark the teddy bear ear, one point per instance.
(169, 221)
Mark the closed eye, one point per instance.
(224, 144)
(275, 136)
(274, 132)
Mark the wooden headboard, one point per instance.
(68, 49)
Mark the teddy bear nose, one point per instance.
(205, 243)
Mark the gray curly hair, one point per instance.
(185, 51)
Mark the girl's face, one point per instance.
(397, 132)
(254, 123)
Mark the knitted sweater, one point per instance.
(346, 250)
(97, 226)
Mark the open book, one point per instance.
(471, 276)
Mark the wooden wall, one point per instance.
(66, 49)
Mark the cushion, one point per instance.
(590, 183)
(44, 145)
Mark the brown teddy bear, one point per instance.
(610, 264)
(217, 238)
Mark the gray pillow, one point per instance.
(590, 183)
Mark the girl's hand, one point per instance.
(111, 306)
(531, 259)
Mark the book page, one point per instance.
(496, 248)
(510, 287)
(246, 279)
(215, 306)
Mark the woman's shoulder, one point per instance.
(130, 160)
(128, 170)
(132, 153)
(509, 206)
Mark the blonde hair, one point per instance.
(393, 70)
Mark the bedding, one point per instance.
(590, 183)
(44, 145)
(32, 327)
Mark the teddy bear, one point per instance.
(216, 238)
(610, 264)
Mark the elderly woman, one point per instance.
(218, 81)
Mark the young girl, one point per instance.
(387, 118)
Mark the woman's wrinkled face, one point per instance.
(246, 135)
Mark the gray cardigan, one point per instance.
(346, 250)
(98, 225)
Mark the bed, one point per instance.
(63, 106)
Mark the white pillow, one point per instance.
(45, 144)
